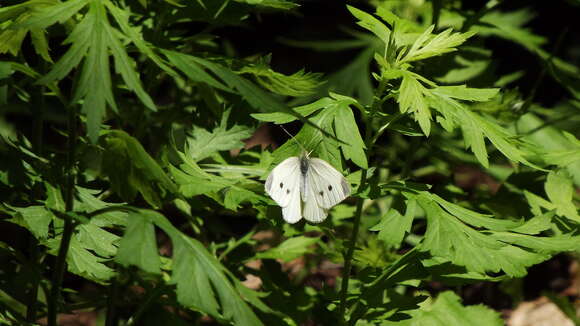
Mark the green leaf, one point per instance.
(290, 249)
(193, 70)
(203, 143)
(429, 45)
(138, 246)
(461, 92)
(509, 25)
(393, 226)
(133, 33)
(312, 139)
(412, 98)
(353, 146)
(304, 110)
(102, 242)
(53, 14)
(298, 84)
(92, 39)
(90, 247)
(130, 169)
(478, 251)
(35, 218)
(202, 282)
(476, 127)
(560, 191)
(370, 23)
(125, 66)
(447, 310)
(82, 262)
(554, 145)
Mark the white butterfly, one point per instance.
(309, 182)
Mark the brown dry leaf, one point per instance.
(541, 312)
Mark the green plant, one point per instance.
(128, 177)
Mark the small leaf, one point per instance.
(560, 191)
(36, 219)
(290, 249)
(370, 23)
(138, 246)
(447, 310)
(412, 98)
(393, 226)
(353, 146)
(203, 143)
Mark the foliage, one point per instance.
(127, 158)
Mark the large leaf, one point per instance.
(447, 310)
(92, 39)
(202, 282)
(131, 169)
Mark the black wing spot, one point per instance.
(329, 188)
(281, 185)
(287, 191)
(321, 193)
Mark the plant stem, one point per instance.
(359, 205)
(111, 304)
(60, 264)
(34, 247)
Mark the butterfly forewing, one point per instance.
(327, 184)
(283, 183)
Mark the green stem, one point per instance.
(359, 205)
(111, 304)
(34, 247)
(60, 264)
(153, 294)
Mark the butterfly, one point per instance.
(306, 187)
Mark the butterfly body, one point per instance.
(306, 187)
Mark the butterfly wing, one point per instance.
(326, 184)
(313, 212)
(283, 185)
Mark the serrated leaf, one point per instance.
(82, 262)
(554, 145)
(298, 84)
(125, 66)
(353, 146)
(290, 249)
(412, 98)
(447, 310)
(428, 45)
(370, 23)
(304, 110)
(393, 226)
(203, 143)
(138, 247)
(131, 169)
(80, 258)
(193, 70)
(202, 282)
(122, 18)
(462, 92)
(35, 218)
(560, 191)
(57, 13)
(312, 139)
(102, 242)
(479, 252)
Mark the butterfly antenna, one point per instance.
(294, 138)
